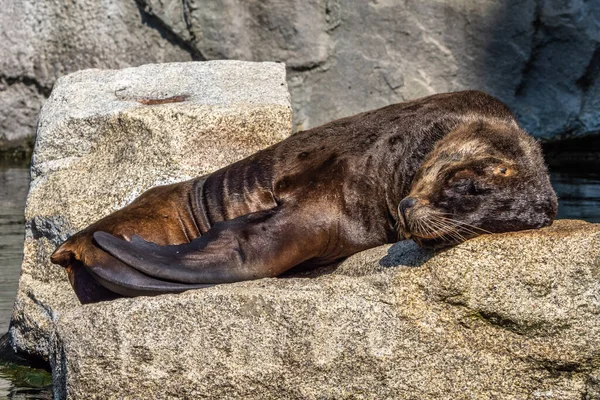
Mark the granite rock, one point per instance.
(542, 57)
(44, 40)
(511, 316)
(100, 144)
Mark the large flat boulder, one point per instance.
(105, 136)
(511, 316)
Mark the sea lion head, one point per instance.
(483, 177)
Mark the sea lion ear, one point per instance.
(503, 170)
(63, 255)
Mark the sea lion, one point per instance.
(439, 170)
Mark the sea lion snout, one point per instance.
(411, 210)
(404, 205)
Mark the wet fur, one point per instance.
(312, 199)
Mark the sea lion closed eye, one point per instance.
(439, 170)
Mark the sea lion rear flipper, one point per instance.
(258, 245)
(126, 281)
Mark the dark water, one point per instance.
(16, 382)
(13, 190)
(578, 194)
(579, 198)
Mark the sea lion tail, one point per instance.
(64, 255)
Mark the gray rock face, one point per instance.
(41, 41)
(542, 57)
(99, 146)
(512, 316)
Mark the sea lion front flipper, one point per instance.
(126, 281)
(257, 245)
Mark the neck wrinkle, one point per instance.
(198, 206)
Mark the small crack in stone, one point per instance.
(533, 54)
(591, 73)
(153, 21)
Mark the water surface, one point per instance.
(14, 182)
(578, 194)
(16, 382)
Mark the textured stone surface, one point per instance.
(43, 40)
(512, 316)
(98, 147)
(542, 57)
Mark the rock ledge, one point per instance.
(512, 316)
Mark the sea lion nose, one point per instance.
(405, 204)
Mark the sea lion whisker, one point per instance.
(476, 228)
(424, 229)
(451, 228)
(460, 230)
(434, 228)
(462, 225)
(441, 224)
(419, 228)
(428, 229)
(399, 229)
(448, 230)
(414, 226)
(471, 228)
(456, 221)
(456, 227)
(431, 229)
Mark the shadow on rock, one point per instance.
(406, 253)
